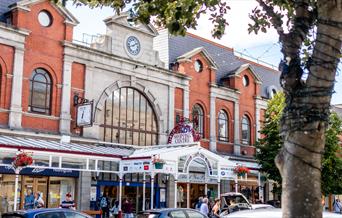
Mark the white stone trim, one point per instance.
(64, 126)
(236, 128)
(15, 115)
(212, 145)
(186, 103)
(224, 93)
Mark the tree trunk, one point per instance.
(306, 115)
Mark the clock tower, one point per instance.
(132, 40)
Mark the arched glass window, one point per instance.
(223, 126)
(129, 119)
(198, 119)
(246, 130)
(40, 92)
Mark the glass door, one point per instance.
(33, 185)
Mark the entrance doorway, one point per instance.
(33, 185)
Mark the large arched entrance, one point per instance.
(128, 118)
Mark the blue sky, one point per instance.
(262, 46)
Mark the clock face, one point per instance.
(84, 115)
(133, 45)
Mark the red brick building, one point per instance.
(140, 91)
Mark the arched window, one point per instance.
(198, 119)
(246, 130)
(129, 119)
(222, 122)
(40, 92)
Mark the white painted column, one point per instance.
(236, 183)
(212, 123)
(152, 190)
(206, 188)
(15, 115)
(64, 126)
(257, 119)
(120, 192)
(186, 103)
(171, 108)
(144, 190)
(261, 192)
(188, 194)
(218, 188)
(236, 128)
(176, 191)
(16, 189)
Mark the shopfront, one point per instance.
(51, 184)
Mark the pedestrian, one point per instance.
(198, 203)
(204, 207)
(29, 200)
(337, 206)
(104, 205)
(38, 200)
(216, 208)
(115, 209)
(68, 203)
(127, 209)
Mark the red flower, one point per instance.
(241, 170)
(22, 159)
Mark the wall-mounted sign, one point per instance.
(84, 114)
(167, 168)
(135, 166)
(227, 172)
(183, 133)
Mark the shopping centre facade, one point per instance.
(97, 114)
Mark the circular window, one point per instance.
(245, 81)
(198, 66)
(45, 18)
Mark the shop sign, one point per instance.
(167, 168)
(135, 166)
(40, 171)
(198, 156)
(183, 133)
(194, 178)
(226, 172)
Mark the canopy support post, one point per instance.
(152, 189)
(144, 190)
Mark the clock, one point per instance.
(133, 45)
(84, 115)
(198, 66)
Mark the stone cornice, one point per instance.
(91, 55)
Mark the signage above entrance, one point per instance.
(183, 132)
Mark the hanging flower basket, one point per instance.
(22, 159)
(158, 163)
(241, 171)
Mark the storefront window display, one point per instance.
(52, 190)
(7, 192)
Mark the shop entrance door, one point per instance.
(34, 184)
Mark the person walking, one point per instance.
(337, 206)
(68, 203)
(38, 200)
(199, 203)
(127, 209)
(204, 207)
(104, 205)
(29, 200)
(115, 209)
(216, 208)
